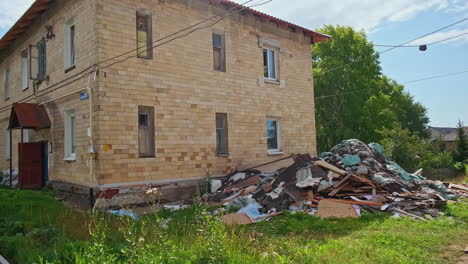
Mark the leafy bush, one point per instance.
(438, 161)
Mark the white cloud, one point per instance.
(11, 11)
(360, 14)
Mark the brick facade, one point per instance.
(181, 85)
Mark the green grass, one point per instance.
(35, 228)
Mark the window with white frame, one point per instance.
(6, 84)
(7, 144)
(69, 45)
(270, 64)
(273, 135)
(24, 70)
(70, 135)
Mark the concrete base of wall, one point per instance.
(132, 195)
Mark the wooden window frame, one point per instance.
(24, 70)
(278, 135)
(70, 128)
(226, 134)
(221, 50)
(144, 14)
(149, 111)
(6, 84)
(266, 63)
(69, 45)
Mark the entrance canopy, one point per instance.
(29, 116)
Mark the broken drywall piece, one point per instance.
(275, 194)
(304, 178)
(238, 176)
(215, 185)
(329, 208)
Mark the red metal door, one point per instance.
(30, 165)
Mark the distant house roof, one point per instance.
(40, 6)
(447, 133)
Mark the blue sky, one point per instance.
(385, 22)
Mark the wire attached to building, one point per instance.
(86, 71)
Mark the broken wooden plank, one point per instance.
(270, 215)
(327, 165)
(356, 202)
(244, 183)
(457, 186)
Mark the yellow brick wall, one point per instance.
(85, 38)
(186, 93)
(179, 82)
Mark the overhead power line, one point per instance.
(436, 77)
(392, 48)
(412, 81)
(428, 44)
(93, 68)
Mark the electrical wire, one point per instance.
(429, 44)
(436, 77)
(412, 81)
(83, 73)
(392, 48)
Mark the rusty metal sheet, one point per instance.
(26, 115)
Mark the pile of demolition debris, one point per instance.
(352, 178)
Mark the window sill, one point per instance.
(70, 68)
(8, 98)
(70, 158)
(25, 88)
(272, 81)
(274, 152)
(222, 155)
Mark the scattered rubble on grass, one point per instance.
(352, 178)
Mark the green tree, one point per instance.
(353, 99)
(406, 148)
(461, 144)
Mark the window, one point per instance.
(69, 44)
(221, 134)
(25, 135)
(70, 135)
(7, 144)
(270, 64)
(24, 70)
(42, 59)
(6, 84)
(146, 131)
(273, 135)
(219, 54)
(144, 35)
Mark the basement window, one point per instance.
(219, 52)
(144, 34)
(146, 131)
(70, 135)
(221, 134)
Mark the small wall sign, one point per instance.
(84, 96)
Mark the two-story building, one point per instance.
(118, 94)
